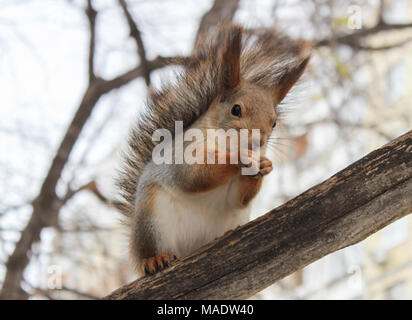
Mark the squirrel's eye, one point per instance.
(274, 124)
(237, 110)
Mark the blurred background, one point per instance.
(74, 75)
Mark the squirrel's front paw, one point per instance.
(261, 165)
(265, 167)
(157, 263)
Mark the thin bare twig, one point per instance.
(381, 48)
(353, 39)
(136, 35)
(382, 7)
(91, 14)
(92, 187)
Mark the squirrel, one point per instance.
(235, 79)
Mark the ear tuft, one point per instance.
(231, 58)
(291, 77)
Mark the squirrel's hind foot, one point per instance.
(157, 263)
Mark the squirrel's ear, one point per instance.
(231, 59)
(289, 79)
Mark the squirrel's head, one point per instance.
(251, 103)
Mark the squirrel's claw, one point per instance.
(228, 232)
(225, 234)
(157, 263)
(262, 165)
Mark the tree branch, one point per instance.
(353, 39)
(381, 10)
(91, 14)
(135, 34)
(221, 11)
(343, 210)
(381, 48)
(92, 187)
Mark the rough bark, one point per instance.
(343, 210)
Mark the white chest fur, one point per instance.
(189, 221)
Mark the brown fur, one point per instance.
(145, 246)
(231, 60)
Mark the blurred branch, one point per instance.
(221, 11)
(354, 39)
(91, 14)
(79, 293)
(356, 202)
(92, 187)
(349, 125)
(125, 78)
(91, 229)
(381, 48)
(48, 293)
(136, 35)
(382, 7)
